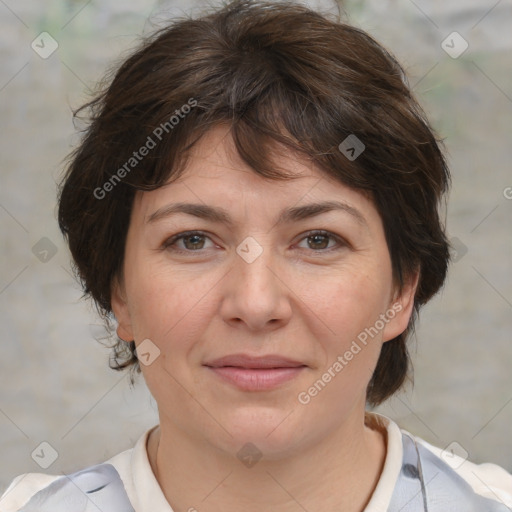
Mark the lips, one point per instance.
(249, 373)
(254, 362)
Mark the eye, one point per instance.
(193, 241)
(319, 241)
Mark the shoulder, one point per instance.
(96, 487)
(443, 481)
(419, 476)
(487, 480)
(21, 488)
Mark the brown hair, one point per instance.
(278, 73)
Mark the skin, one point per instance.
(297, 299)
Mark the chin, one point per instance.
(269, 430)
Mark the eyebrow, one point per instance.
(221, 216)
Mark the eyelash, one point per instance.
(168, 244)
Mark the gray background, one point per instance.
(56, 384)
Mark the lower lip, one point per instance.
(260, 379)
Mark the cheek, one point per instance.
(167, 304)
(348, 301)
(170, 310)
(349, 308)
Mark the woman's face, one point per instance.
(260, 285)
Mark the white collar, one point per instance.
(146, 494)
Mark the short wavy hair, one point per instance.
(280, 74)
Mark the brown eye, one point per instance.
(192, 241)
(318, 241)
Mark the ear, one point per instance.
(120, 309)
(401, 308)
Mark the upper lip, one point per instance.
(247, 361)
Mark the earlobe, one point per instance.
(121, 311)
(401, 308)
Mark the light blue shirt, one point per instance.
(425, 484)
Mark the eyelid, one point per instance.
(183, 234)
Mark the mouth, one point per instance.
(249, 373)
(254, 362)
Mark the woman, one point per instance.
(256, 202)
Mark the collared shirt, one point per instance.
(417, 477)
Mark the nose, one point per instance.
(256, 293)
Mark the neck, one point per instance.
(333, 474)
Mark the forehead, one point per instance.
(216, 175)
(215, 157)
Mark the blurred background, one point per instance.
(56, 386)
